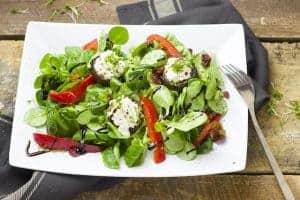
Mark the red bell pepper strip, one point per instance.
(151, 117)
(64, 144)
(165, 44)
(159, 153)
(74, 94)
(91, 45)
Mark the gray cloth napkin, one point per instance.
(42, 185)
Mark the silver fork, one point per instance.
(244, 86)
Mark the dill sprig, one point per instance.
(19, 11)
(294, 107)
(101, 2)
(275, 97)
(49, 2)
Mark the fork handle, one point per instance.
(287, 193)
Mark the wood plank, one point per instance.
(217, 187)
(283, 139)
(271, 18)
(268, 18)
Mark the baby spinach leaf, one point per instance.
(41, 97)
(115, 85)
(96, 123)
(69, 112)
(180, 100)
(193, 89)
(215, 71)
(140, 50)
(118, 35)
(85, 117)
(36, 117)
(103, 139)
(59, 125)
(154, 58)
(98, 93)
(205, 147)
(111, 157)
(136, 79)
(38, 82)
(73, 51)
(190, 121)
(163, 98)
(198, 103)
(46, 65)
(89, 136)
(102, 42)
(211, 88)
(188, 152)
(218, 103)
(85, 56)
(135, 153)
(175, 142)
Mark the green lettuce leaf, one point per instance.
(135, 153)
(36, 117)
(205, 147)
(111, 156)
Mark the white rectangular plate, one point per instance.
(225, 41)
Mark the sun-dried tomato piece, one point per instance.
(157, 74)
(226, 94)
(205, 60)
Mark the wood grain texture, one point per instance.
(283, 137)
(218, 187)
(267, 18)
(271, 18)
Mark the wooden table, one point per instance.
(275, 22)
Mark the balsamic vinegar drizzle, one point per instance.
(80, 148)
(152, 146)
(31, 154)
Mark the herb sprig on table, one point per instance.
(275, 97)
(294, 107)
(71, 10)
(49, 2)
(19, 11)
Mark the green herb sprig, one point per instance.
(276, 96)
(19, 11)
(294, 107)
(49, 2)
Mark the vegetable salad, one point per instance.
(158, 98)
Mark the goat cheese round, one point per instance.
(125, 114)
(108, 65)
(175, 76)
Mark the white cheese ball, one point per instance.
(174, 76)
(107, 70)
(124, 114)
